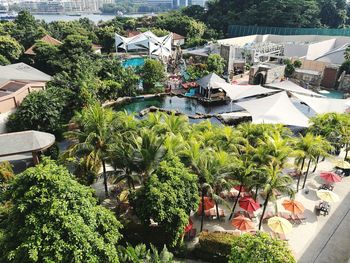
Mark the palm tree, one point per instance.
(276, 182)
(205, 191)
(149, 151)
(91, 137)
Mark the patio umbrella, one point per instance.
(327, 196)
(249, 204)
(244, 190)
(279, 225)
(330, 177)
(243, 223)
(207, 204)
(342, 164)
(293, 206)
(189, 227)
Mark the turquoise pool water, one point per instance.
(334, 94)
(133, 62)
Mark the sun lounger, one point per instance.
(296, 219)
(301, 217)
(282, 237)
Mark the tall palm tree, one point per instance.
(206, 190)
(276, 182)
(149, 151)
(91, 137)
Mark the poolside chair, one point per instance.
(296, 219)
(282, 237)
(301, 217)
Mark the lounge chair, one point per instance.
(282, 237)
(296, 219)
(301, 217)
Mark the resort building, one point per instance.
(16, 82)
(47, 39)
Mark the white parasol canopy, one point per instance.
(324, 105)
(275, 109)
(237, 92)
(292, 87)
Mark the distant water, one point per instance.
(92, 17)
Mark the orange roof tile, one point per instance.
(47, 39)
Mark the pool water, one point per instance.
(184, 105)
(133, 62)
(334, 94)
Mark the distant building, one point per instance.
(198, 2)
(47, 39)
(16, 82)
(161, 3)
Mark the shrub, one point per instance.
(216, 243)
(260, 248)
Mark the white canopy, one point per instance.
(209, 81)
(275, 109)
(159, 46)
(236, 92)
(324, 105)
(291, 86)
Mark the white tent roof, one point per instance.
(275, 109)
(324, 105)
(160, 46)
(209, 81)
(236, 92)
(291, 86)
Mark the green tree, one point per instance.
(333, 13)
(260, 248)
(91, 138)
(168, 197)
(140, 253)
(106, 38)
(39, 227)
(10, 48)
(216, 64)
(46, 57)
(42, 111)
(152, 72)
(195, 11)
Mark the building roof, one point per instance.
(210, 80)
(22, 72)
(275, 109)
(324, 105)
(177, 36)
(47, 39)
(237, 92)
(96, 47)
(24, 142)
(292, 87)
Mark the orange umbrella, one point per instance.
(208, 203)
(243, 223)
(293, 206)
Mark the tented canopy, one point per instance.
(324, 105)
(210, 80)
(237, 92)
(275, 109)
(159, 46)
(292, 87)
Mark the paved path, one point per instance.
(332, 242)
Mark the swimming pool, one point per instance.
(133, 62)
(334, 94)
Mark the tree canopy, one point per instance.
(55, 219)
(261, 247)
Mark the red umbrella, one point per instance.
(243, 223)
(330, 177)
(248, 204)
(207, 204)
(243, 190)
(189, 227)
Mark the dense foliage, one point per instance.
(55, 219)
(168, 197)
(152, 73)
(260, 248)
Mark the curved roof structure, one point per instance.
(324, 105)
(237, 92)
(210, 80)
(159, 46)
(25, 142)
(275, 109)
(292, 87)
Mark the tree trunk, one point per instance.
(217, 210)
(202, 216)
(105, 177)
(346, 152)
(256, 192)
(301, 173)
(318, 158)
(234, 206)
(264, 209)
(307, 172)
